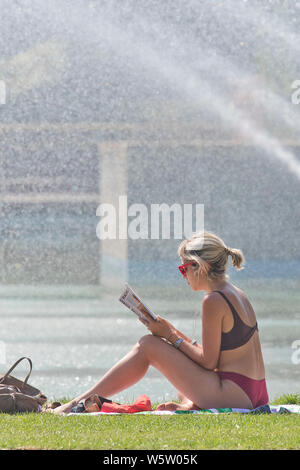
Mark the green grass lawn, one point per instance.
(193, 432)
(150, 432)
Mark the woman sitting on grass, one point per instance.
(227, 370)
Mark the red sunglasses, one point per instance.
(182, 268)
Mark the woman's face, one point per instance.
(191, 278)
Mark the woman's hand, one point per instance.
(160, 327)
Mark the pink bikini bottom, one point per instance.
(255, 389)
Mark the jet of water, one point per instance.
(186, 82)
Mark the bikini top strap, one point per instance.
(228, 301)
(234, 312)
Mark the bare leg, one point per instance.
(201, 387)
(129, 370)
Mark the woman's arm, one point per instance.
(181, 335)
(207, 354)
(193, 351)
(171, 328)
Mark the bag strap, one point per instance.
(12, 368)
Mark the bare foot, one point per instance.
(172, 406)
(60, 410)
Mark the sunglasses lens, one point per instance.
(182, 269)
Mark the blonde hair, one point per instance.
(210, 255)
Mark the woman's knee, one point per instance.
(148, 342)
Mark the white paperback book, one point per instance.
(131, 300)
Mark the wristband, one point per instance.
(178, 343)
(194, 342)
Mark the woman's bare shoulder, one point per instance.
(210, 295)
(240, 292)
(243, 296)
(212, 299)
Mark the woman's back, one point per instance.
(247, 358)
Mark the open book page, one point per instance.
(131, 300)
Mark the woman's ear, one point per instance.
(198, 270)
(203, 270)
